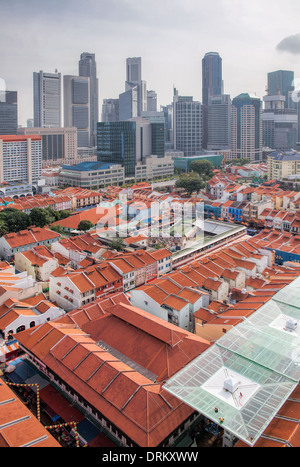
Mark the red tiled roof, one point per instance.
(126, 396)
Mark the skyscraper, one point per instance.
(281, 82)
(77, 107)
(187, 124)
(110, 110)
(8, 112)
(135, 89)
(280, 125)
(88, 68)
(47, 99)
(219, 123)
(212, 84)
(246, 127)
(134, 70)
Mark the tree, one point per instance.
(15, 220)
(239, 161)
(116, 244)
(39, 217)
(190, 183)
(85, 225)
(3, 228)
(203, 168)
(57, 228)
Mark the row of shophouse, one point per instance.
(111, 354)
(264, 206)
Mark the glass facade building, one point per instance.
(88, 68)
(281, 82)
(8, 112)
(212, 84)
(116, 143)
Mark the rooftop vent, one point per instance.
(291, 324)
(231, 385)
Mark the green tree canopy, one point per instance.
(203, 168)
(14, 220)
(39, 217)
(85, 225)
(190, 183)
(116, 244)
(239, 161)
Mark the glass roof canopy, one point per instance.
(242, 380)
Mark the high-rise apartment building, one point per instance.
(77, 107)
(59, 145)
(187, 124)
(88, 68)
(212, 84)
(20, 158)
(47, 99)
(246, 127)
(281, 82)
(8, 112)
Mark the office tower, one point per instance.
(151, 101)
(110, 110)
(47, 99)
(88, 68)
(212, 84)
(20, 158)
(187, 126)
(59, 145)
(281, 82)
(158, 122)
(134, 70)
(128, 104)
(280, 125)
(127, 142)
(168, 114)
(77, 107)
(8, 112)
(247, 127)
(116, 143)
(134, 99)
(219, 123)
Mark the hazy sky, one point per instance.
(253, 38)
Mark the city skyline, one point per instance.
(171, 37)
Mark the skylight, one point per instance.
(242, 381)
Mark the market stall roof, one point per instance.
(242, 381)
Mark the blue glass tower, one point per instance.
(212, 84)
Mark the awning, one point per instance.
(60, 405)
(54, 416)
(101, 441)
(87, 430)
(24, 371)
